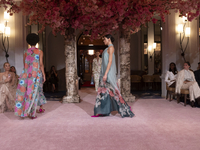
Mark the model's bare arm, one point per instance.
(110, 52)
(42, 65)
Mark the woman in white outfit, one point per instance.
(96, 68)
(186, 80)
(170, 76)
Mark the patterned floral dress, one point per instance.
(109, 97)
(29, 93)
(96, 68)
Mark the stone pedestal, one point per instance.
(125, 81)
(71, 71)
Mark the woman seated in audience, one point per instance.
(12, 69)
(186, 80)
(53, 78)
(7, 89)
(170, 77)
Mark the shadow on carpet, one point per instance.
(87, 84)
(147, 94)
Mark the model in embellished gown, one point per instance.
(7, 89)
(109, 97)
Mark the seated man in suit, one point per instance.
(197, 74)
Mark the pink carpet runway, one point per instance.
(158, 125)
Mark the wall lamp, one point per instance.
(150, 51)
(5, 34)
(184, 32)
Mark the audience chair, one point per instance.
(170, 92)
(135, 79)
(185, 93)
(157, 81)
(148, 79)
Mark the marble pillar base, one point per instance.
(129, 98)
(71, 99)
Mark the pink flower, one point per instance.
(103, 90)
(16, 109)
(111, 93)
(117, 92)
(121, 100)
(30, 82)
(30, 69)
(99, 90)
(30, 58)
(29, 75)
(29, 90)
(26, 81)
(154, 20)
(26, 105)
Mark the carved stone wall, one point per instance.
(71, 71)
(125, 81)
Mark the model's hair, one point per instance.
(5, 64)
(175, 69)
(32, 39)
(109, 36)
(188, 63)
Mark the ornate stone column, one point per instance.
(71, 71)
(125, 81)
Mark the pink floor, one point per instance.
(158, 125)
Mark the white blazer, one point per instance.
(170, 78)
(180, 79)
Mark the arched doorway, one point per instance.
(85, 59)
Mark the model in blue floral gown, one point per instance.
(109, 97)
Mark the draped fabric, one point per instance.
(29, 93)
(109, 97)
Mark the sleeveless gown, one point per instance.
(29, 93)
(109, 97)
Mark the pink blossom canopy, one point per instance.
(99, 17)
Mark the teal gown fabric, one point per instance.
(109, 97)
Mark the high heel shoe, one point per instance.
(41, 110)
(32, 117)
(130, 108)
(96, 115)
(99, 115)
